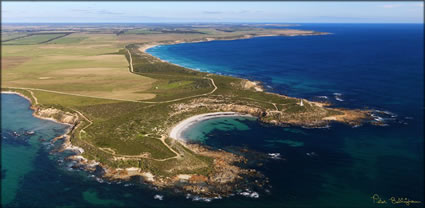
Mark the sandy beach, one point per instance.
(32, 107)
(145, 47)
(17, 93)
(177, 130)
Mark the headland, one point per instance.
(135, 131)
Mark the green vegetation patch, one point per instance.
(172, 84)
(11, 36)
(121, 133)
(142, 31)
(35, 39)
(68, 40)
(48, 98)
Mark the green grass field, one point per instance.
(129, 114)
(68, 40)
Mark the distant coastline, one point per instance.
(175, 132)
(147, 46)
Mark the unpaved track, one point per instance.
(137, 101)
(178, 99)
(144, 155)
(178, 155)
(73, 94)
(131, 62)
(119, 155)
(131, 69)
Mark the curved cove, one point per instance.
(358, 66)
(317, 166)
(367, 66)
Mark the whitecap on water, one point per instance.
(217, 197)
(199, 198)
(311, 154)
(338, 96)
(254, 195)
(383, 116)
(275, 156)
(100, 180)
(158, 197)
(377, 118)
(339, 99)
(250, 194)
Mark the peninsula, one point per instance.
(126, 108)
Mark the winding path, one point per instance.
(136, 101)
(131, 61)
(108, 150)
(131, 69)
(112, 152)
(35, 98)
(178, 99)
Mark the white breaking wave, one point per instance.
(158, 197)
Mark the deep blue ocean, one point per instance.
(366, 66)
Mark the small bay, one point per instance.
(368, 66)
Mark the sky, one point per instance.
(158, 12)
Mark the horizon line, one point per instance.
(212, 22)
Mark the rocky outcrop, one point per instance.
(222, 181)
(313, 114)
(216, 105)
(246, 84)
(57, 115)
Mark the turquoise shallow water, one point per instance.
(338, 166)
(18, 153)
(368, 66)
(205, 127)
(34, 176)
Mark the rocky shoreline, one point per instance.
(226, 179)
(58, 116)
(276, 117)
(227, 176)
(222, 183)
